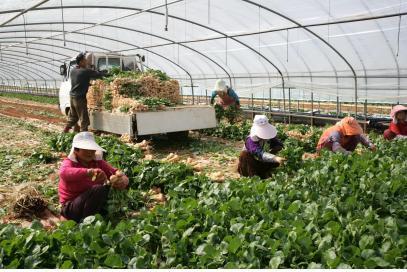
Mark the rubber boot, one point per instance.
(76, 128)
(66, 129)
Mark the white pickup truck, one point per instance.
(176, 121)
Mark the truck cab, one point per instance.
(99, 62)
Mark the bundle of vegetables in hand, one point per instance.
(97, 175)
(118, 180)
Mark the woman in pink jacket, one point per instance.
(398, 125)
(83, 188)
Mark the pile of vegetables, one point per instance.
(231, 113)
(238, 131)
(126, 92)
(335, 211)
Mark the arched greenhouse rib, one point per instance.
(351, 50)
(203, 134)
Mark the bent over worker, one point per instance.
(226, 95)
(343, 137)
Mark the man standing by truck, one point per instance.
(80, 80)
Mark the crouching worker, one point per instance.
(254, 160)
(83, 188)
(398, 126)
(226, 95)
(343, 137)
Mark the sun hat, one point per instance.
(220, 85)
(262, 128)
(395, 110)
(350, 126)
(85, 140)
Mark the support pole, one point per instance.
(289, 105)
(312, 109)
(252, 107)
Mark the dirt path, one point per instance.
(215, 154)
(31, 110)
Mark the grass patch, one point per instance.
(32, 97)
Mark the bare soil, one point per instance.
(30, 110)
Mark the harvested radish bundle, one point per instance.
(129, 93)
(116, 179)
(95, 94)
(29, 205)
(144, 146)
(196, 166)
(217, 177)
(171, 158)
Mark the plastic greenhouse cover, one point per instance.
(328, 47)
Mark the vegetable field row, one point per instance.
(335, 211)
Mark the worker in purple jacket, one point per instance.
(254, 160)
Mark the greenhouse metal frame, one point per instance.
(354, 51)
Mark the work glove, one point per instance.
(268, 157)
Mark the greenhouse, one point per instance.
(203, 134)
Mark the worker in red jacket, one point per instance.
(83, 176)
(398, 125)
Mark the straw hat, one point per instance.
(85, 140)
(220, 86)
(262, 129)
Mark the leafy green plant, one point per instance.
(107, 100)
(61, 142)
(116, 72)
(32, 97)
(162, 76)
(125, 108)
(232, 113)
(155, 103)
(164, 175)
(230, 131)
(336, 211)
(42, 156)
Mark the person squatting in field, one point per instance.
(254, 160)
(398, 125)
(343, 137)
(83, 176)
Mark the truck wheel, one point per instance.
(178, 135)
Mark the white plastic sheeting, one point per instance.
(329, 47)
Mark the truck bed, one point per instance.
(172, 119)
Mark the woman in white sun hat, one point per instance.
(83, 176)
(226, 95)
(254, 160)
